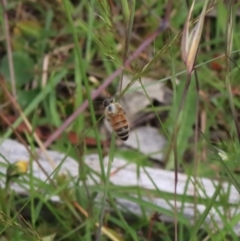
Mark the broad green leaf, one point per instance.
(23, 68)
(27, 96)
(29, 28)
(185, 122)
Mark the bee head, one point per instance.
(107, 102)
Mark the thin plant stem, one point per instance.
(9, 49)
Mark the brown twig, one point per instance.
(154, 218)
(27, 123)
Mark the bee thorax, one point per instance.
(112, 108)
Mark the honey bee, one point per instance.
(116, 117)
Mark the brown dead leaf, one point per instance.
(191, 40)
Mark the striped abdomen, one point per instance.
(120, 126)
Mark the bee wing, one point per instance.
(120, 110)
